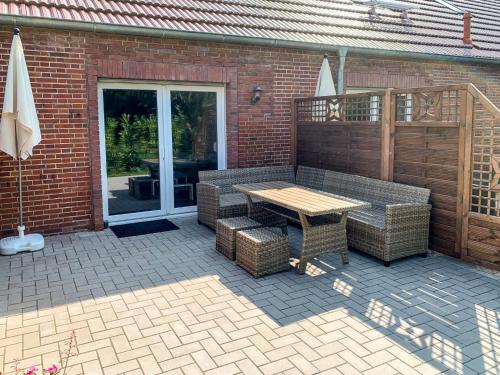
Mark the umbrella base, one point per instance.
(14, 245)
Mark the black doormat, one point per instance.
(145, 227)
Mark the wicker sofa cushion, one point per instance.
(374, 216)
(310, 177)
(375, 191)
(225, 179)
(234, 199)
(338, 183)
(393, 193)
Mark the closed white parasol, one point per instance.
(324, 87)
(19, 133)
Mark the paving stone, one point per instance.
(168, 303)
(248, 367)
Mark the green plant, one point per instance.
(52, 369)
(130, 140)
(188, 109)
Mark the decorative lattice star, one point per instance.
(495, 179)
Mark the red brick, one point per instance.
(64, 173)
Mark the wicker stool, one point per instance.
(262, 251)
(225, 238)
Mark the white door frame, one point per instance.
(221, 138)
(164, 145)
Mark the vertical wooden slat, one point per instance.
(392, 134)
(465, 109)
(467, 174)
(387, 152)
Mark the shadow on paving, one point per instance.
(442, 310)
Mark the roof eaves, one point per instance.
(100, 27)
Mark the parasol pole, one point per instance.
(20, 186)
(19, 166)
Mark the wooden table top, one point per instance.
(300, 199)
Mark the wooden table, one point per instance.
(323, 216)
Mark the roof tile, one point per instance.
(434, 28)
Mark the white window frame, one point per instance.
(374, 116)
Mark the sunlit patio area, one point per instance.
(168, 303)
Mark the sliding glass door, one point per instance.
(196, 124)
(131, 142)
(154, 141)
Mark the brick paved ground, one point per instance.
(168, 303)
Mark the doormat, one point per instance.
(145, 227)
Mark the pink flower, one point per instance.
(31, 371)
(52, 369)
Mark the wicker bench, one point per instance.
(225, 237)
(218, 200)
(262, 251)
(397, 224)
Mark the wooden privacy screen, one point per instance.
(444, 138)
(340, 133)
(425, 152)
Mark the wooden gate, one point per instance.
(481, 215)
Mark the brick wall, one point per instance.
(57, 178)
(63, 177)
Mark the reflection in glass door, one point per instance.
(132, 149)
(154, 141)
(194, 141)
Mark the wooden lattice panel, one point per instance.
(485, 193)
(366, 107)
(363, 108)
(427, 106)
(433, 106)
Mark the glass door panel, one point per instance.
(194, 120)
(132, 150)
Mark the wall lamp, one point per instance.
(257, 93)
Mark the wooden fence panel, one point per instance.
(340, 147)
(444, 138)
(428, 157)
(340, 133)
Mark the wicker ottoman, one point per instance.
(225, 238)
(262, 251)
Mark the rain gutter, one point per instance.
(15, 20)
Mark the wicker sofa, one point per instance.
(218, 200)
(396, 226)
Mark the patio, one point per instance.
(169, 303)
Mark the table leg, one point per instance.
(344, 251)
(305, 228)
(251, 205)
(191, 192)
(317, 239)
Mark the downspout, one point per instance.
(340, 77)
